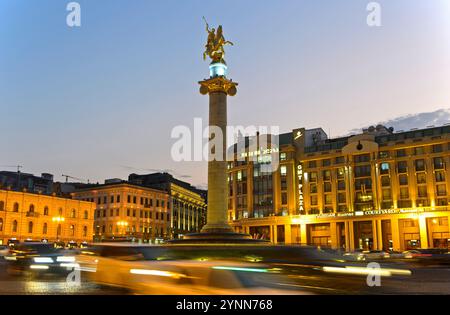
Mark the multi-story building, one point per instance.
(31, 216)
(374, 190)
(129, 211)
(19, 181)
(188, 210)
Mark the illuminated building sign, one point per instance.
(372, 212)
(260, 152)
(301, 204)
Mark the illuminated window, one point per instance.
(283, 156)
(283, 170)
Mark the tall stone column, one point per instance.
(218, 88)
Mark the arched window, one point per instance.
(16, 207)
(1, 224)
(2, 205)
(73, 213)
(60, 211)
(14, 226)
(72, 230)
(30, 227)
(58, 231)
(85, 231)
(45, 210)
(31, 208)
(44, 228)
(86, 214)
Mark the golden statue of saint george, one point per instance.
(215, 43)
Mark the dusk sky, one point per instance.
(100, 101)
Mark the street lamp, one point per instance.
(58, 219)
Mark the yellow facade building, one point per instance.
(374, 190)
(36, 217)
(128, 211)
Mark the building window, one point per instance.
(386, 194)
(340, 173)
(313, 188)
(384, 168)
(328, 199)
(402, 167)
(401, 153)
(421, 178)
(313, 200)
(1, 224)
(341, 185)
(327, 187)
(438, 163)
(86, 214)
(85, 231)
(117, 212)
(437, 148)
(73, 214)
(419, 150)
(129, 199)
(362, 171)
(385, 181)
(14, 226)
(339, 160)
(118, 199)
(404, 193)
(341, 198)
(60, 211)
(16, 207)
(44, 228)
(326, 175)
(284, 198)
(312, 164)
(440, 176)
(46, 211)
(422, 191)
(283, 170)
(441, 190)
(313, 177)
(383, 154)
(31, 208)
(2, 205)
(30, 227)
(362, 158)
(403, 179)
(283, 156)
(420, 165)
(326, 162)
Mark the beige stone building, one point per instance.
(129, 211)
(374, 190)
(37, 217)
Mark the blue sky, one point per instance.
(88, 101)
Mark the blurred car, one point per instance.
(395, 254)
(356, 255)
(59, 245)
(72, 245)
(37, 258)
(428, 256)
(4, 250)
(376, 254)
(128, 267)
(13, 242)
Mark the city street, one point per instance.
(431, 280)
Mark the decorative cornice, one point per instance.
(218, 84)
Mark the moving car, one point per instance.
(430, 256)
(38, 258)
(4, 250)
(129, 267)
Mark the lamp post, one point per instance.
(58, 220)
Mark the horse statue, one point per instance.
(215, 44)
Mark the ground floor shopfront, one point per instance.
(370, 230)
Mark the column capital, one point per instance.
(218, 84)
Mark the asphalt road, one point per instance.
(424, 280)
